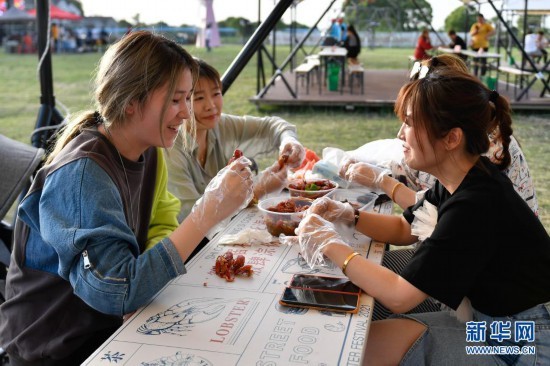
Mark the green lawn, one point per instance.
(317, 128)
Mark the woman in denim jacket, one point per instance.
(79, 262)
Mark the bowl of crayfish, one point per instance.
(283, 214)
(311, 188)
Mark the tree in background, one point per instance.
(244, 26)
(460, 19)
(137, 22)
(160, 25)
(77, 4)
(124, 24)
(534, 23)
(403, 14)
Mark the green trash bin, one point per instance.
(333, 75)
(490, 81)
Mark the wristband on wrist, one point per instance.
(346, 262)
(356, 215)
(394, 190)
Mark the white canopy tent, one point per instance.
(534, 7)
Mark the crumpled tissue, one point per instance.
(246, 237)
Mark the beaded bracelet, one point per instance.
(346, 262)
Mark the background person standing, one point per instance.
(343, 31)
(334, 34)
(481, 31)
(208, 37)
(55, 37)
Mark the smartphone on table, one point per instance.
(322, 293)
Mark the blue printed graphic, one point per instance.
(524, 331)
(475, 331)
(115, 357)
(501, 330)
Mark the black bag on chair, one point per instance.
(18, 162)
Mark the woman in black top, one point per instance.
(485, 254)
(457, 42)
(353, 45)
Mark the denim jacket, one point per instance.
(75, 255)
(90, 244)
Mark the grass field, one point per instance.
(317, 128)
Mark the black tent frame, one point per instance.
(49, 116)
(538, 75)
(525, 57)
(256, 45)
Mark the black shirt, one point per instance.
(458, 42)
(487, 245)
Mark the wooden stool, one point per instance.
(303, 71)
(356, 72)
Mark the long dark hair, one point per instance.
(448, 98)
(130, 70)
(352, 30)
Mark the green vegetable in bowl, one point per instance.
(312, 187)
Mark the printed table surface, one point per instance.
(200, 319)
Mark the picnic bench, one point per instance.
(356, 73)
(518, 74)
(303, 71)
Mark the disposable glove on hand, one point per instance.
(333, 211)
(271, 180)
(226, 194)
(294, 150)
(363, 173)
(314, 235)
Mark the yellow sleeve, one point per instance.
(165, 206)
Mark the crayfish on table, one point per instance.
(228, 267)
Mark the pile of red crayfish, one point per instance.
(228, 267)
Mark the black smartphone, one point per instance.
(327, 283)
(321, 300)
(381, 199)
(322, 292)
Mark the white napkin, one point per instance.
(247, 237)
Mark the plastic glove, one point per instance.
(363, 173)
(294, 150)
(332, 210)
(271, 180)
(226, 194)
(314, 234)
